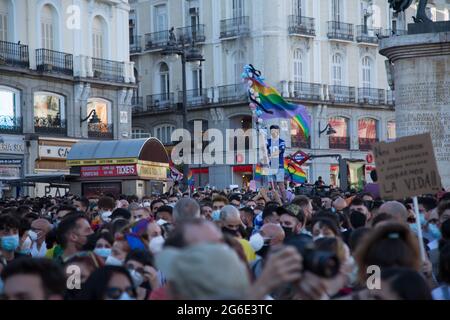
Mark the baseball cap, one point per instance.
(291, 209)
(204, 271)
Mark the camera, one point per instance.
(325, 264)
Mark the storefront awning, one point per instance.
(59, 178)
(118, 152)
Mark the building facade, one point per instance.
(59, 61)
(319, 53)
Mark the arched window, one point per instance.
(340, 139)
(298, 65)
(367, 133)
(49, 27)
(138, 133)
(239, 62)
(164, 133)
(336, 66)
(10, 119)
(99, 38)
(164, 81)
(367, 72)
(103, 128)
(49, 113)
(391, 134)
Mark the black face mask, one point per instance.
(288, 232)
(264, 250)
(231, 232)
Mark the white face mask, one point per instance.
(125, 296)
(319, 236)
(156, 244)
(256, 241)
(138, 279)
(160, 222)
(26, 245)
(113, 261)
(33, 235)
(106, 216)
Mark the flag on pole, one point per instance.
(294, 172)
(190, 178)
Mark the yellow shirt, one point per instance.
(248, 250)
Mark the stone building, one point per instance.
(59, 61)
(319, 53)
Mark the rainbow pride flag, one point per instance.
(258, 172)
(271, 104)
(190, 178)
(294, 172)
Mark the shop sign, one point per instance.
(10, 161)
(152, 172)
(75, 163)
(108, 171)
(9, 171)
(15, 146)
(54, 152)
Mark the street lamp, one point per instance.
(189, 54)
(329, 129)
(94, 120)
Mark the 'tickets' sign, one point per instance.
(109, 171)
(407, 167)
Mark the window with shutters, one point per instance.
(161, 21)
(336, 65)
(239, 63)
(47, 28)
(298, 65)
(367, 72)
(164, 81)
(238, 8)
(3, 26)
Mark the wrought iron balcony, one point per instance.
(196, 33)
(340, 30)
(371, 96)
(298, 141)
(100, 131)
(339, 142)
(14, 55)
(135, 44)
(54, 61)
(108, 70)
(50, 125)
(390, 99)
(307, 91)
(299, 25)
(234, 27)
(156, 40)
(10, 124)
(195, 97)
(366, 144)
(367, 35)
(342, 94)
(232, 93)
(160, 102)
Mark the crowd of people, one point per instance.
(230, 244)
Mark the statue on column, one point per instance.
(402, 5)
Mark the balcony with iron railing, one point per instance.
(299, 141)
(135, 44)
(386, 33)
(307, 91)
(235, 27)
(156, 40)
(50, 125)
(299, 25)
(340, 30)
(14, 55)
(195, 97)
(160, 102)
(137, 104)
(366, 144)
(371, 96)
(10, 124)
(108, 70)
(196, 33)
(232, 93)
(54, 62)
(339, 142)
(390, 99)
(365, 34)
(100, 131)
(341, 94)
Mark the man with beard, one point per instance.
(231, 223)
(292, 220)
(271, 235)
(73, 233)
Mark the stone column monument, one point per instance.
(420, 69)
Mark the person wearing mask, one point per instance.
(235, 200)
(247, 217)
(109, 283)
(73, 232)
(119, 251)
(101, 244)
(206, 210)
(105, 207)
(33, 279)
(358, 204)
(305, 205)
(443, 291)
(231, 223)
(61, 212)
(218, 203)
(155, 205)
(140, 265)
(39, 230)
(155, 238)
(185, 209)
(82, 205)
(172, 199)
(292, 220)
(9, 237)
(164, 215)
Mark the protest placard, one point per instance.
(407, 167)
